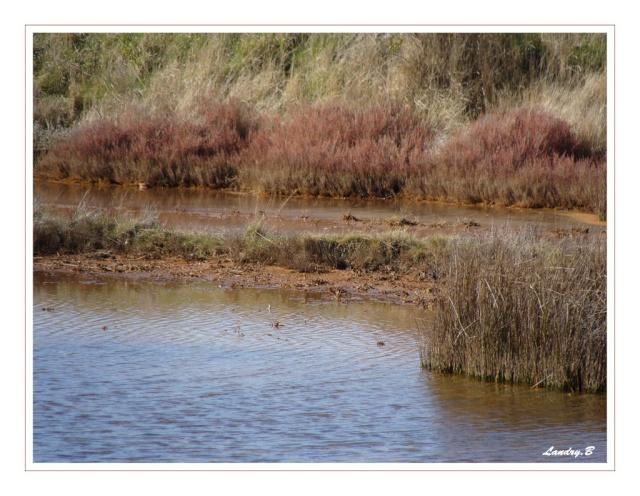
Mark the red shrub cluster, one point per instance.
(160, 151)
(336, 151)
(505, 142)
(524, 157)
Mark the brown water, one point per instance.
(194, 373)
(220, 211)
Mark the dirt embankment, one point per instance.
(343, 285)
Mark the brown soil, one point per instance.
(343, 285)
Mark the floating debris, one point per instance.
(350, 217)
(338, 293)
(407, 222)
(380, 343)
(439, 225)
(402, 222)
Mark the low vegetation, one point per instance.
(333, 150)
(524, 157)
(90, 231)
(157, 150)
(509, 307)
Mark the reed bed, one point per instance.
(516, 309)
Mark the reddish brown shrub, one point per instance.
(524, 157)
(160, 150)
(504, 142)
(336, 151)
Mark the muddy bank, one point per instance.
(342, 285)
(393, 259)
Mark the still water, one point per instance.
(218, 211)
(162, 372)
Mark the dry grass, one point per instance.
(583, 104)
(447, 79)
(515, 309)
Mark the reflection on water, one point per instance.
(147, 372)
(217, 210)
(505, 421)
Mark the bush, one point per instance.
(523, 157)
(333, 150)
(157, 150)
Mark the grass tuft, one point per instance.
(519, 310)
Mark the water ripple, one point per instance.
(127, 372)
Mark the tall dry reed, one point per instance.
(517, 309)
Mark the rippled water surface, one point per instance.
(155, 372)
